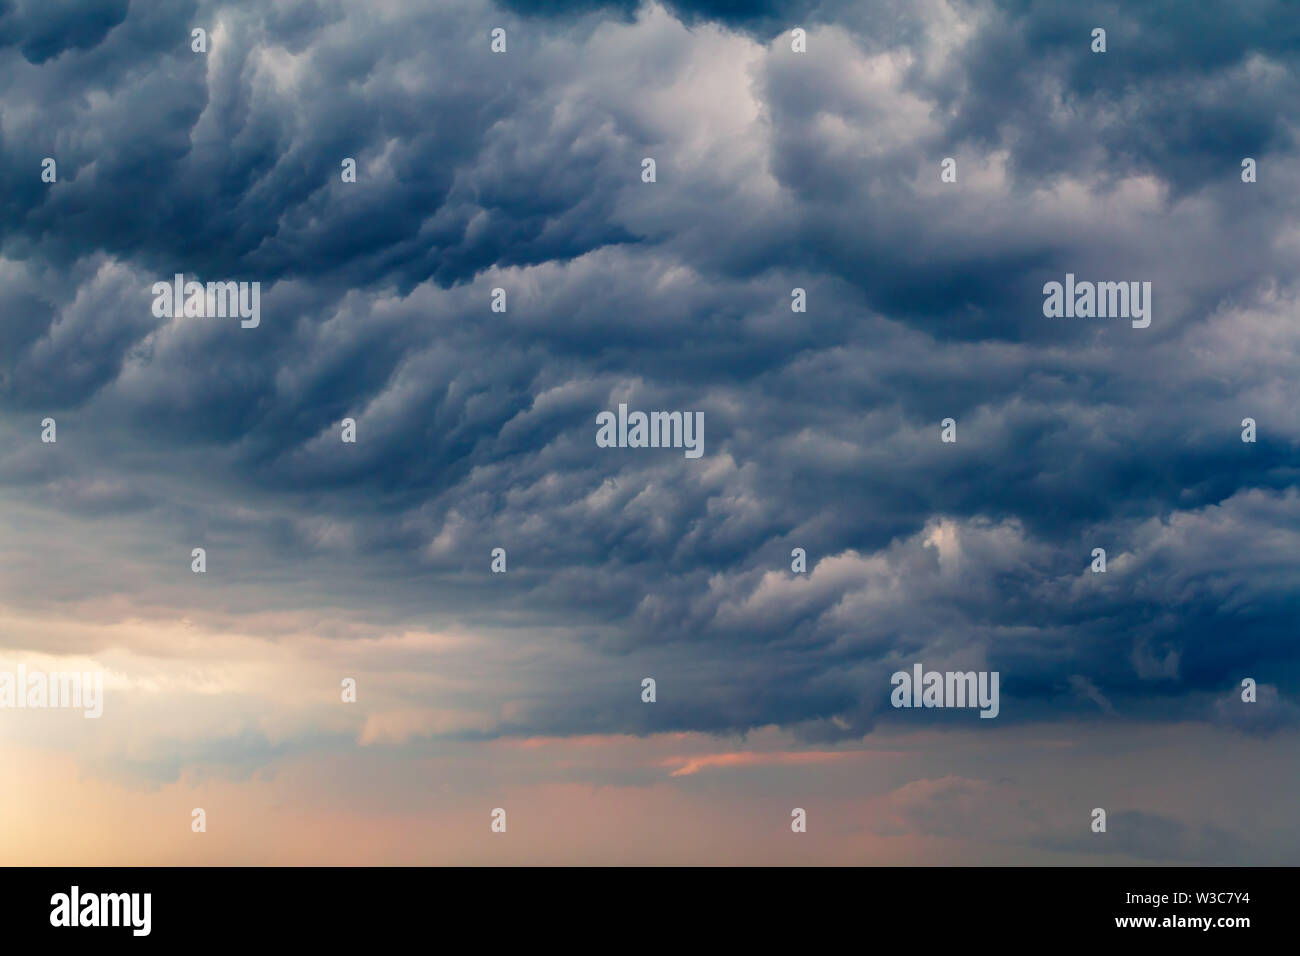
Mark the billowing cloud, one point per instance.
(476, 428)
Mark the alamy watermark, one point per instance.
(74, 908)
(1101, 300)
(38, 690)
(215, 300)
(923, 688)
(653, 430)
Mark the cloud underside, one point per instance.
(476, 429)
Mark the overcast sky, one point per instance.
(775, 170)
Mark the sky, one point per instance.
(774, 170)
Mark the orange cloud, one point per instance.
(751, 759)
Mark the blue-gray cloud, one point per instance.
(775, 170)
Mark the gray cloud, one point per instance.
(775, 171)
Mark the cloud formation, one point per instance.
(775, 171)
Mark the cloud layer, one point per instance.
(775, 170)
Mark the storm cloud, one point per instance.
(775, 170)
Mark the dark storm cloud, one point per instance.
(44, 30)
(226, 172)
(477, 428)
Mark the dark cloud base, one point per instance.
(476, 428)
